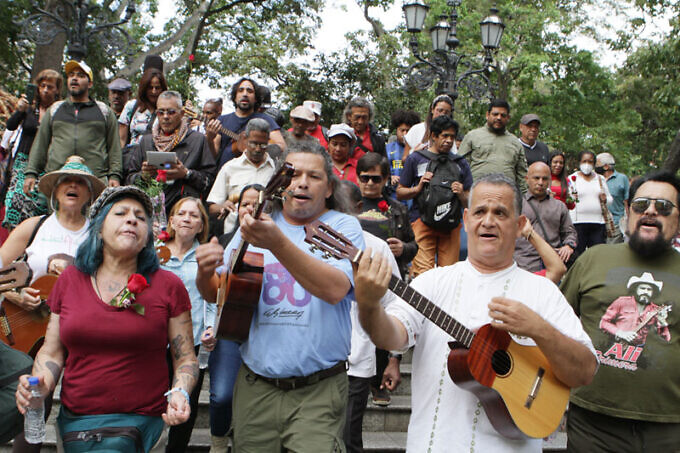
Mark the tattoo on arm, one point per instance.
(178, 346)
(54, 369)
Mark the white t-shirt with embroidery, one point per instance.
(446, 418)
(362, 356)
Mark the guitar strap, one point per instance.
(35, 230)
(24, 257)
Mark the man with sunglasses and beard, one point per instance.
(633, 403)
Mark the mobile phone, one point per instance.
(30, 92)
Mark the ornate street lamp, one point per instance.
(42, 27)
(442, 65)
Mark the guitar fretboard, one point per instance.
(431, 311)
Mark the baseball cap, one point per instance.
(73, 64)
(529, 117)
(606, 159)
(303, 113)
(120, 85)
(314, 106)
(341, 129)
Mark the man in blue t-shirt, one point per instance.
(246, 96)
(292, 389)
(433, 245)
(402, 121)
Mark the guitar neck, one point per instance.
(333, 243)
(233, 135)
(649, 317)
(432, 312)
(243, 245)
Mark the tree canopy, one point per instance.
(630, 110)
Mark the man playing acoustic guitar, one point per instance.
(245, 95)
(291, 391)
(486, 288)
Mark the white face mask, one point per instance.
(586, 169)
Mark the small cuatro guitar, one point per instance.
(515, 384)
(22, 329)
(240, 288)
(238, 139)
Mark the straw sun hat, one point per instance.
(74, 166)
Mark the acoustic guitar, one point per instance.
(238, 139)
(240, 288)
(22, 329)
(515, 384)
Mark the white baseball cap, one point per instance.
(341, 129)
(314, 106)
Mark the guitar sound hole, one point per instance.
(501, 362)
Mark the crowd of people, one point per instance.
(484, 225)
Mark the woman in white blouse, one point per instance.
(590, 190)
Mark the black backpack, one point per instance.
(439, 207)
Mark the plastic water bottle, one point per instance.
(34, 419)
(203, 356)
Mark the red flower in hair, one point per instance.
(383, 206)
(573, 178)
(162, 176)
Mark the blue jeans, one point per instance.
(224, 364)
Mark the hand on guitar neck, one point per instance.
(27, 298)
(213, 127)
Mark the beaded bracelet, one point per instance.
(178, 389)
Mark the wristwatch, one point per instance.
(189, 172)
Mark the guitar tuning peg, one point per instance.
(313, 248)
(327, 255)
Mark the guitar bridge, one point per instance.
(534, 388)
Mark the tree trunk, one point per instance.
(672, 162)
(51, 55)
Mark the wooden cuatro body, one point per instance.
(240, 288)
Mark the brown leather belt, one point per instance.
(293, 383)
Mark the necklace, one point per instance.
(96, 287)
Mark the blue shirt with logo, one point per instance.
(395, 152)
(294, 333)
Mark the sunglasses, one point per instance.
(663, 207)
(168, 112)
(377, 179)
(255, 145)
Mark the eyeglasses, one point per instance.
(256, 145)
(663, 207)
(377, 179)
(169, 112)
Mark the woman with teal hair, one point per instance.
(113, 315)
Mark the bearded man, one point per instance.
(633, 403)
